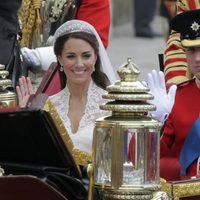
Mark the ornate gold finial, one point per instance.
(7, 98)
(1, 171)
(4, 83)
(129, 71)
(128, 94)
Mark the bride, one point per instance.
(86, 71)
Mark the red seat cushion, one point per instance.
(7, 109)
(50, 83)
(54, 86)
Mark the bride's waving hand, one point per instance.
(24, 91)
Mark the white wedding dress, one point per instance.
(82, 139)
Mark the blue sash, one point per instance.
(191, 147)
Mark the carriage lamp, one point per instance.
(125, 160)
(7, 98)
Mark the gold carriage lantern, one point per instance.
(7, 98)
(126, 144)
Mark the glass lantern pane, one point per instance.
(153, 172)
(141, 157)
(103, 156)
(133, 165)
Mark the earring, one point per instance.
(61, 68)
(93, 69)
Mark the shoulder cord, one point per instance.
(30, 18)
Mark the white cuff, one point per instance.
(46, 56)
(161, 117)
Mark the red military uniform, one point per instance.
(175, 63)
(97, 13)
(185, 112)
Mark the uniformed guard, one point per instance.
(182, 127)
(175, 63)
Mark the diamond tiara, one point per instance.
(73, 26)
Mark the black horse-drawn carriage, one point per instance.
(36, 160)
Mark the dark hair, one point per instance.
(98, 76)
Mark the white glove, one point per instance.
(39, 58)
(31, 58)
(162, 100)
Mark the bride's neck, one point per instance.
(78, 90)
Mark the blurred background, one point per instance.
(123, 40)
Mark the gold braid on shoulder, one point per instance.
(31, 23)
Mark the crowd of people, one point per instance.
(79, 48)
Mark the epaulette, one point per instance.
(183, 84)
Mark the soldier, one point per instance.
(175, 63)
(50, 14)
(183, 124)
